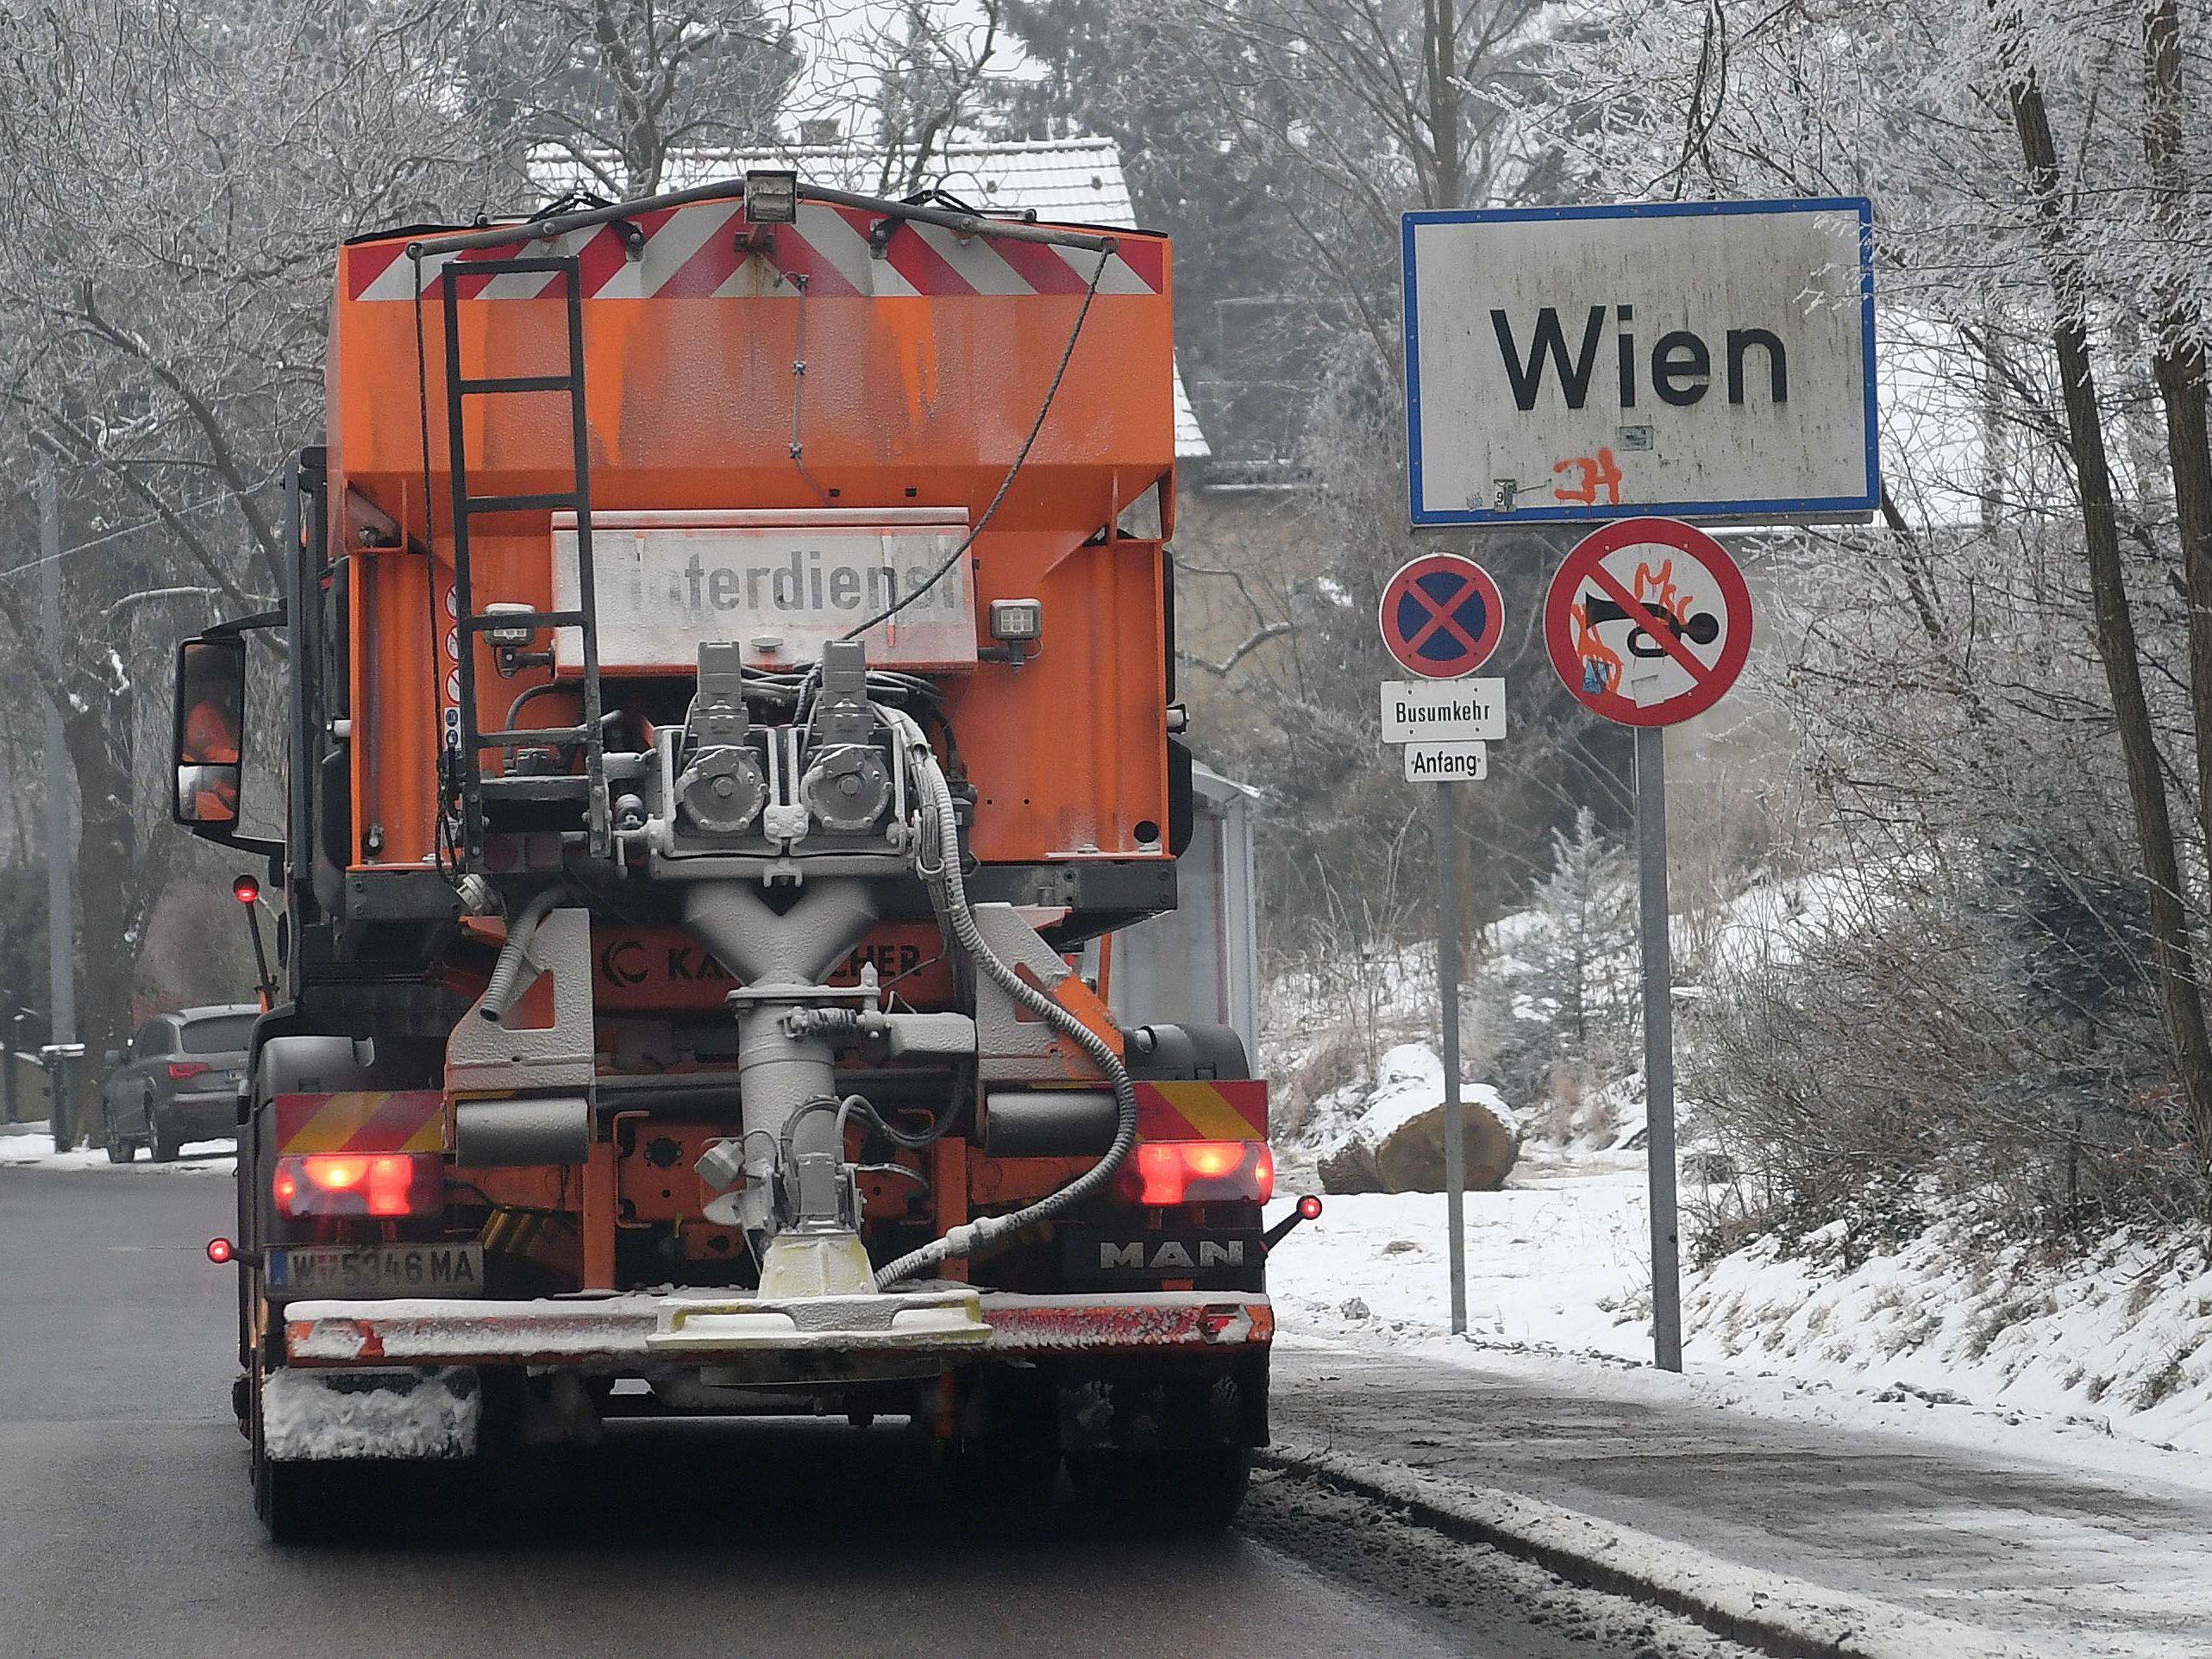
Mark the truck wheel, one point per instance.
(1010, 1466)
(1165, 1492)
(293, 1501)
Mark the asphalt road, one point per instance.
(1992, 1534)
(126, 1525)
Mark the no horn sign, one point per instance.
(1648, 622)
(1441, 615)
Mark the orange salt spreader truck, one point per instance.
(729, 672)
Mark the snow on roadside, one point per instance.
(30, 1146)
(2117, 1336)
(2010, 1354)
(1556, 1258)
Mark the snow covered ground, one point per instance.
(1556, 1260)
(1952, 1336)
(30, 1146)
(2057, 1416)
(2105, 1363)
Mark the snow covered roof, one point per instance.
(1070, 180)
(1077, 180)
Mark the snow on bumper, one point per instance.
(634, 1328)
(370, 1412)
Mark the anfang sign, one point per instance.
(1446, 763)
(1701, 359)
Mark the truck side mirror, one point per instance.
(208, 735)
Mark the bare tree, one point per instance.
(609, 91)
(2111, 613)
(2037, 182)
(174, 182)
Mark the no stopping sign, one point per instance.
(1441, 615)
(1648, 622)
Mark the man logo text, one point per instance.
(1171, 1255)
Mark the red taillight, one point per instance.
(245, 889)
(220, 1251)
(1197, 1172)
(1309, 1208)
(181, 1069)
(359, 1184)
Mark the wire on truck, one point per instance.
(1067, 355)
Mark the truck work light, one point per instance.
(771, 196)
(510, 635)
(1016, 621)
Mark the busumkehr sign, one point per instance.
(1448, 711)
(1707, 359)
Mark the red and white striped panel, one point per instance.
(691, 253)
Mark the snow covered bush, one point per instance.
(1974, 1039)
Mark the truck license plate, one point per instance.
(377, 1270)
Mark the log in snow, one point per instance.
(1396, 1144)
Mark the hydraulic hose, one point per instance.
(506, 974)
(948, 893)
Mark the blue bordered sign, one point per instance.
(1709, 360)
(1441, 615)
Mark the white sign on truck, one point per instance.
(778, 583)
(1697, 359)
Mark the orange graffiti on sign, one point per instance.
(1594, 473)
(1655, 590)
(1601, 665)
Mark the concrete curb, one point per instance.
(1787, 1618)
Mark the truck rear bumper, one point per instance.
(646, 1330)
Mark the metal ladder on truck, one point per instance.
(523, 788)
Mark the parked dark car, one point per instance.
(178, 1082)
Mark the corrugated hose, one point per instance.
(506, 972)
(948, 893)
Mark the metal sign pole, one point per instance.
(60, 893)
(1440, 617)
(1658, 1044)
(1447, 982)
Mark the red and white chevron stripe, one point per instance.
(691, 253)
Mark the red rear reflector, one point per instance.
(359, 1184)
(181, 1069)
(1309, 1208)
(1197, 1172)
(219, 1251)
